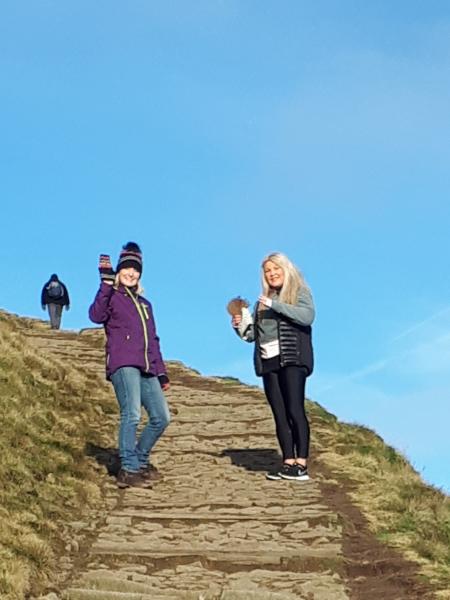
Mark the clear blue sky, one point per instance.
(214, 132)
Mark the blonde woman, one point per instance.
(134, 363)
(280, 327)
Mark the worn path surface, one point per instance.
(214, 527)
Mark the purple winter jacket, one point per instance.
(131, 339)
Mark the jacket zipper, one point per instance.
(144, 310)
(279, 341)
(144, 327)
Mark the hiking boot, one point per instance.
(126, 479)
(294, 472)
(150, 473)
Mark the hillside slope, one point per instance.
(48, 408)
(214, 528)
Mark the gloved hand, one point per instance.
(67, 306)
(105, 269)
(43, 307)
(164, 382)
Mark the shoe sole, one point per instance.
(273, 477)
(293, 478)
(124, 486)
(136, 487)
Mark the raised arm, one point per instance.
(99, 310)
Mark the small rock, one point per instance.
(79, 525)
(135, 569)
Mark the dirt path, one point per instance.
(214, 527)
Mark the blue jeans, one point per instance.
(134, 390)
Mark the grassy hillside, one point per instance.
(47, 412)
(401, 509)
(51, 409)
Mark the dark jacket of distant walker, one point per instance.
(295, 345)
(47, 298)
(131, 339)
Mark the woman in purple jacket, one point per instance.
(134, 363)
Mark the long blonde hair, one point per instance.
(293, 279)
(139, 289)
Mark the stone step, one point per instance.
(194, 581)
(90, 594)
(133, 517)
(273, 557)
(87, 594)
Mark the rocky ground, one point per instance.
(214, 527)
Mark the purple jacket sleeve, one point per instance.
(156, 350)
(99, 309)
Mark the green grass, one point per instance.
(46, 480)
(401, 509)
(49, 412)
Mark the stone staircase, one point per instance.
(214, 528)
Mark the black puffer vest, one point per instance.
(295, 345)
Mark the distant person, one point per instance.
(134, 363)
(55, 296)
(280, 327)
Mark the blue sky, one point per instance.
(214, 132)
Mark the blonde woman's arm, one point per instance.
(302, 313)
(243, 325)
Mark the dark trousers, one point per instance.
(285, 392)
(55, 311)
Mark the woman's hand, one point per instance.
(164, 382)
(236, 321)
(105, 269)
(265, 300)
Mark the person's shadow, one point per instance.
(253, 459)
(107, 457)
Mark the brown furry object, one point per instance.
(235, 305)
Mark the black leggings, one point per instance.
(285, 392)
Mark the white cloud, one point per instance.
(430, 357)
(420, 324)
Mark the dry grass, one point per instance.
(401, 509)
(48, 414)
(46, 479)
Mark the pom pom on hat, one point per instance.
(130, 256)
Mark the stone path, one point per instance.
(214, 527)
(211, 528)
